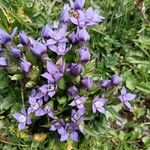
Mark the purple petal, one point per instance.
(51, 42)
(128, 105)
(40, 112)
(61, 130)
(94, 108)
(53, 128)
(21, 126)
(51, 67)
(64, 136)
(102, 110)
(72, 103)
(74, 136)
(48, 76)
(130, 96)
(123, 91)
(23, 111)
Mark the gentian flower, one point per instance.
(93, 17)
(16, 53)
(25, 66)
(23, 118)
(84, 54)
(72, 90)
(78, 18)
(53, 74)
(98, 105)
(58, 125)
(77, 116)
(4, 37)
(70, 130)
(78, 101)
(58, 42)
(24, 39)
(49, 89)
(38, 94)
(48, 111)
(3, 62)
(116, 80)
(77, 4)
(74, 69)
(65, 15)
(36, 106)
(82, 35)
(125, 97)
(87, 83)
(105, 84)
(37, 47)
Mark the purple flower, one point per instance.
(74, 69)
(25, 66)
(125, 97)
(16, 53)
(65, 15)
(82, 35)
(53, 73)
(87, 83)
(98, 104)
(72, 90)
(77, 4)
(58, 125)
(78, 101)
(84, 55)
(78, 18)
(4, 37)
(70, 130)
(36, 106)
(105, 84)
(58, 42)
(48, 111)
(72, 37)
(49, 89)
(116, 80)
(38, 94)
(3, 62)
(93, 17)
(37, 47)
(77, 116)
(24, 39)
(22, 118)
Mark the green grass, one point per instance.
(120, 45)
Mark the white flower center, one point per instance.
(78, 102)
(98, 104)
(35, 106)
(22, 118)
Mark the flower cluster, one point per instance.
(45, 99)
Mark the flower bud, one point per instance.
(72, 90)
(87, 83)
(74, 69)
(24, 39)
(84, 55)
(116, 80)
(3, 62)
(105, 84)
(82, 35)
(4, 37)
(38, 48)
(16, 53)
(25, 66)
